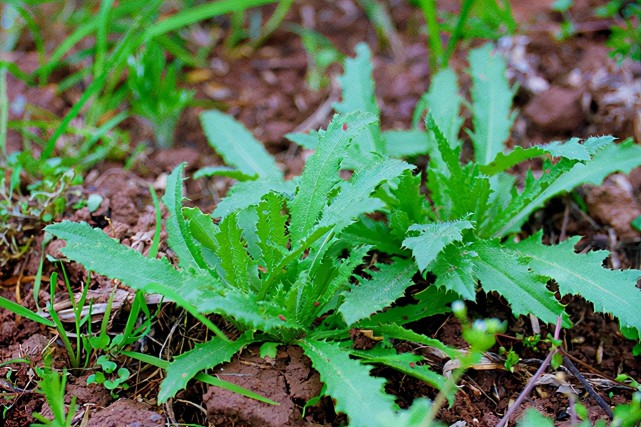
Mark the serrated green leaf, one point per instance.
(406, 204)
(249, 193)
(103, 255)
(344, 269)
(271, 230)
(203, 230)
(563, 177)
(238, 147)
(357, 86)
(354, 196)
(443, 102)
(571, 149)
(502, 271)
(236, 266)
(594, 144)
(454, 271)
(386, 286)
(368, 231)
(457, 192)
(432, 238)
(415, 415)
(394, 331)
(179, 237)
(491, 103)
(209, 171)
(534, 418)
(204, 356)
(431, 301)
(321, 172)
(356, 393)
(249, 312)
(611, 291)
(405, 143)
(406, 363)
(308, 141)
(208, 379)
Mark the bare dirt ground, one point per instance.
(567, 89)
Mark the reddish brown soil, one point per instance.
(568, 88)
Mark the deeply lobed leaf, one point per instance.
(357, 86)
(562, 177)
(370, 296)
(611, 291)
(432, 238)
(321, 172)
(349, 383)
(501, 271)
(179, 236)
(204, 356)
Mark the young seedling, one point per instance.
(281, 261)
(276, 265)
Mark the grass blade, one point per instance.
(199, 13)
(24, 312)
(211, 380)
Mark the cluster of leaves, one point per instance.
(488, 19)
(115, 32)
(625, 33)
(625, 39)
(108, 42)
(276, 266)
(284, 262)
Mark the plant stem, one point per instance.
(602, 403)
(526, 392)
(430, 12)
(458, 31)
(4, 112)
(441, 397)
(273, 23)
